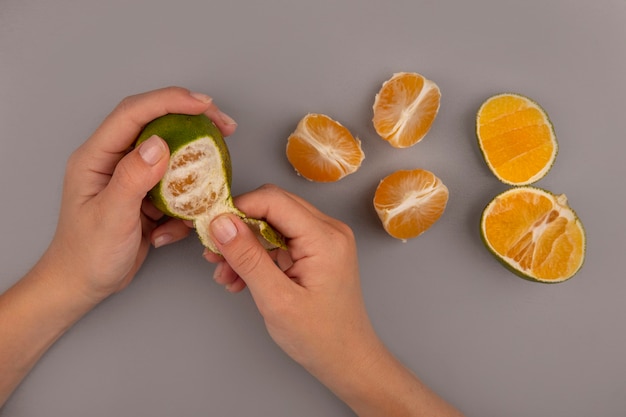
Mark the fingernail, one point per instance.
(218, 271)
(201, 97)
(162, 240)
(226, 118)
(223, 229)
(152, 150)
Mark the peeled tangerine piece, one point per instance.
(405, 108)
(196, 185)
(322, 149)
(409, 202)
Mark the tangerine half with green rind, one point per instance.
(516, 138)
(535, 234)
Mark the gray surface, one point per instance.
(175, 343)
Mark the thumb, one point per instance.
(245, 255)
(136, 174)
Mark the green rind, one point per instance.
(482, 151)
(271, 238)
(508, 265)
(267, 236)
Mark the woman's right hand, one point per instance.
(310, 298)
(310, 295)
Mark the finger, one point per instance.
(133, 177)
(247, 258)
(310, 207)
(283, 260)
(236, 286)
(170, 231)
(224, 122)
(226, 276)
(215, 258)
(147, 226)
(246, 200)
(120, 129)
(212, 256)
(150, 211)
(289, 214)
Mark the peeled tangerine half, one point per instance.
(405, 109)
(535, 234)
(322, 149)
(196, 185)
(408, 202)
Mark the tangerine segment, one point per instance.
(516, 138)
(534, 233)
(321, 149)
(194, 179)
(405, 109)
(408, 202)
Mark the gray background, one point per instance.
(175, 343)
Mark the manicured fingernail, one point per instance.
(201, 97)
(152, 150)
(162, 240)
(223, 229)
(227, 119)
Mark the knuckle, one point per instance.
(346, 231)
(344, 241)
(124, 173)
(125, 104)
(73, 162)
(126, 176)
(247, 260)
(269, 188)
(343, 233)
(176, 90)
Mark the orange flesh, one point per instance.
(516, 139)
(323, 150)
(181, 186)
(535, 235)
(187, 158)
(190, 183)
(410, 202)
(405, 109)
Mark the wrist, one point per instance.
(61, 285)
(375, 383)
(67, 271)
(351, 370)
(34, 313)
